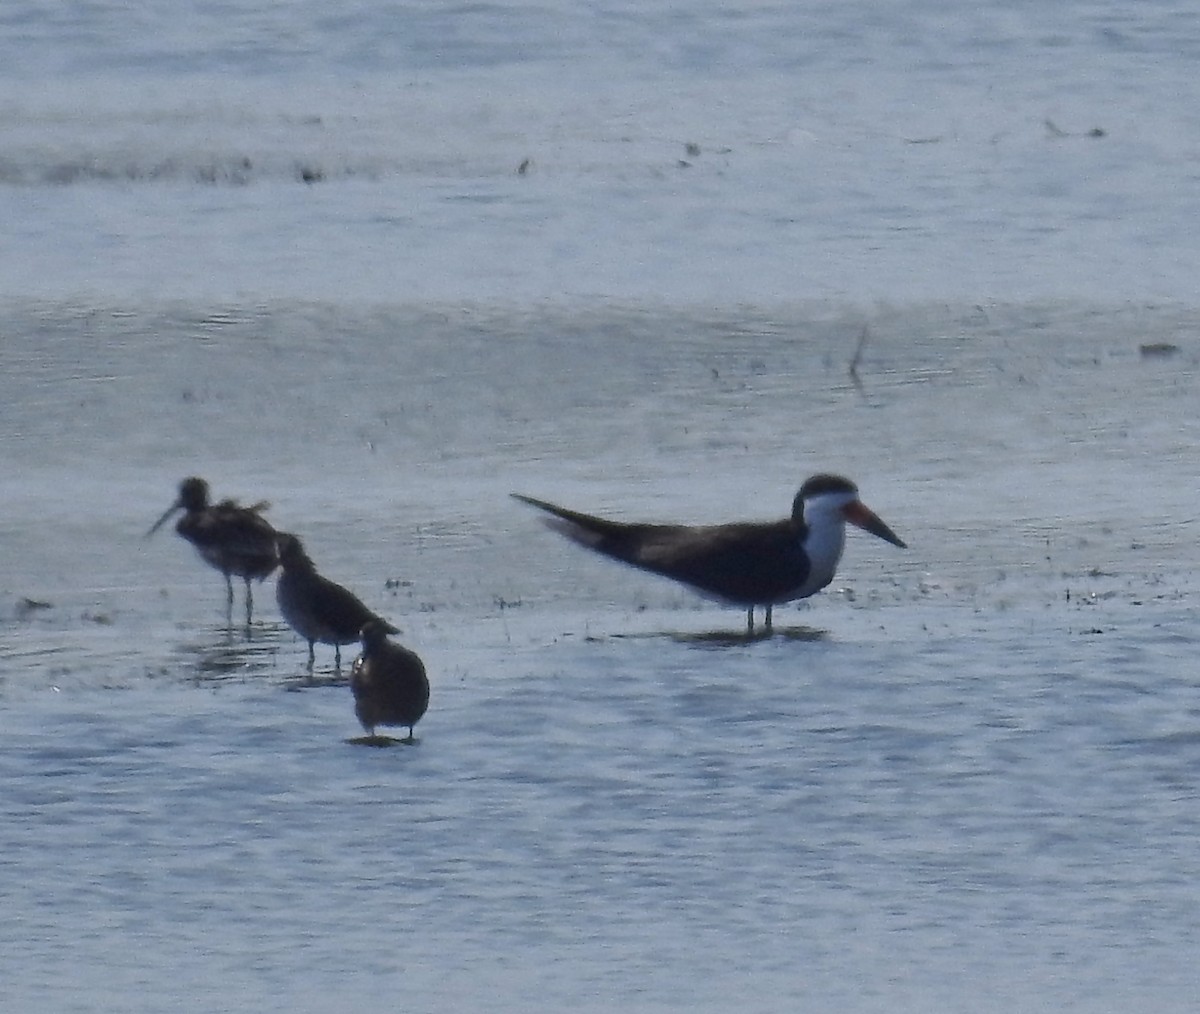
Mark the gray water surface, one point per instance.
(961, 778)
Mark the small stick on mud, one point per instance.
(857, 357)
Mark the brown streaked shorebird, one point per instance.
(233, 539)
(749, 563)
(315, 607)
(388, 682)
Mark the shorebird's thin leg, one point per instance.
(337, 656)
(228, 601)
(767, 621)
(249, 603)
(312, 655)
(750, 621)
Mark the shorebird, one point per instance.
(388, 682)
(233, 539)
(748, 563)
(316, 608)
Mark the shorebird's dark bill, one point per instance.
(859, 514)
(166, 514)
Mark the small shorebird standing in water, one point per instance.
(233, 539)
(749, 563)
(316, 608)
(389, 684)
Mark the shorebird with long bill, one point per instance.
(746, 563)
(233, 539)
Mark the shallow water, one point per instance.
(963, 777)
(383, 266)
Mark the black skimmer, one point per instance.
(315, 607)
(749, 563)
(389, 683)
(233, 539)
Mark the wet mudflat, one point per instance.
(963, 777)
